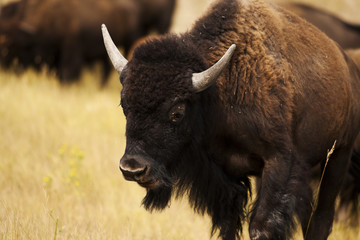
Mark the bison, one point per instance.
(344, 33)
(14, 41)
(155, 15)
(64, 34)
(250, 90)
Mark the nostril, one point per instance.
(132, 169)
(131, 165)
(133, 174)
(140, 172)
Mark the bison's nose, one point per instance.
(133, 168)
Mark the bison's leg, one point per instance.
(302, 193)
(321, 221)
(274, 207)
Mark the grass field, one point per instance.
(59, 154)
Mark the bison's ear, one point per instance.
(115, 56)
(205, 79)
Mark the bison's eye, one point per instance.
(177, 113)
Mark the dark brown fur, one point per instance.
(288, 93)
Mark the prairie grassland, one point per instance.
(59, 153)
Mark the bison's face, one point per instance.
(154, 144)
(162, 112)
(161, 115)
(162, 104)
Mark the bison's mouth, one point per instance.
(151, 184)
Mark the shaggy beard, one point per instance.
(157, 198)
(208, 188)
(211, 191)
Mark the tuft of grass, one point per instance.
(56, 220)
(316, 194)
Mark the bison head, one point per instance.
(162, 106)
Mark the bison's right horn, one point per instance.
(205, 79)
(115, 56)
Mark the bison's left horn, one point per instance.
(205, 79)
(115, 56)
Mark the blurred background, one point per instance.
(61, 127)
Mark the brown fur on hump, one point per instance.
(256, 54)
(272, 50)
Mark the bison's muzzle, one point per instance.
(135, 168)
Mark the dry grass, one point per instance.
(59, 153)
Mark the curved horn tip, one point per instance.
(230, 50)
(205, 79)
(103, 28)
(115, 56)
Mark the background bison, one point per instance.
(271, 107)
(345, 33)
(355, 56)
(155, 15)
(64, 34)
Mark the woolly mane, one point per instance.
(209, 191)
